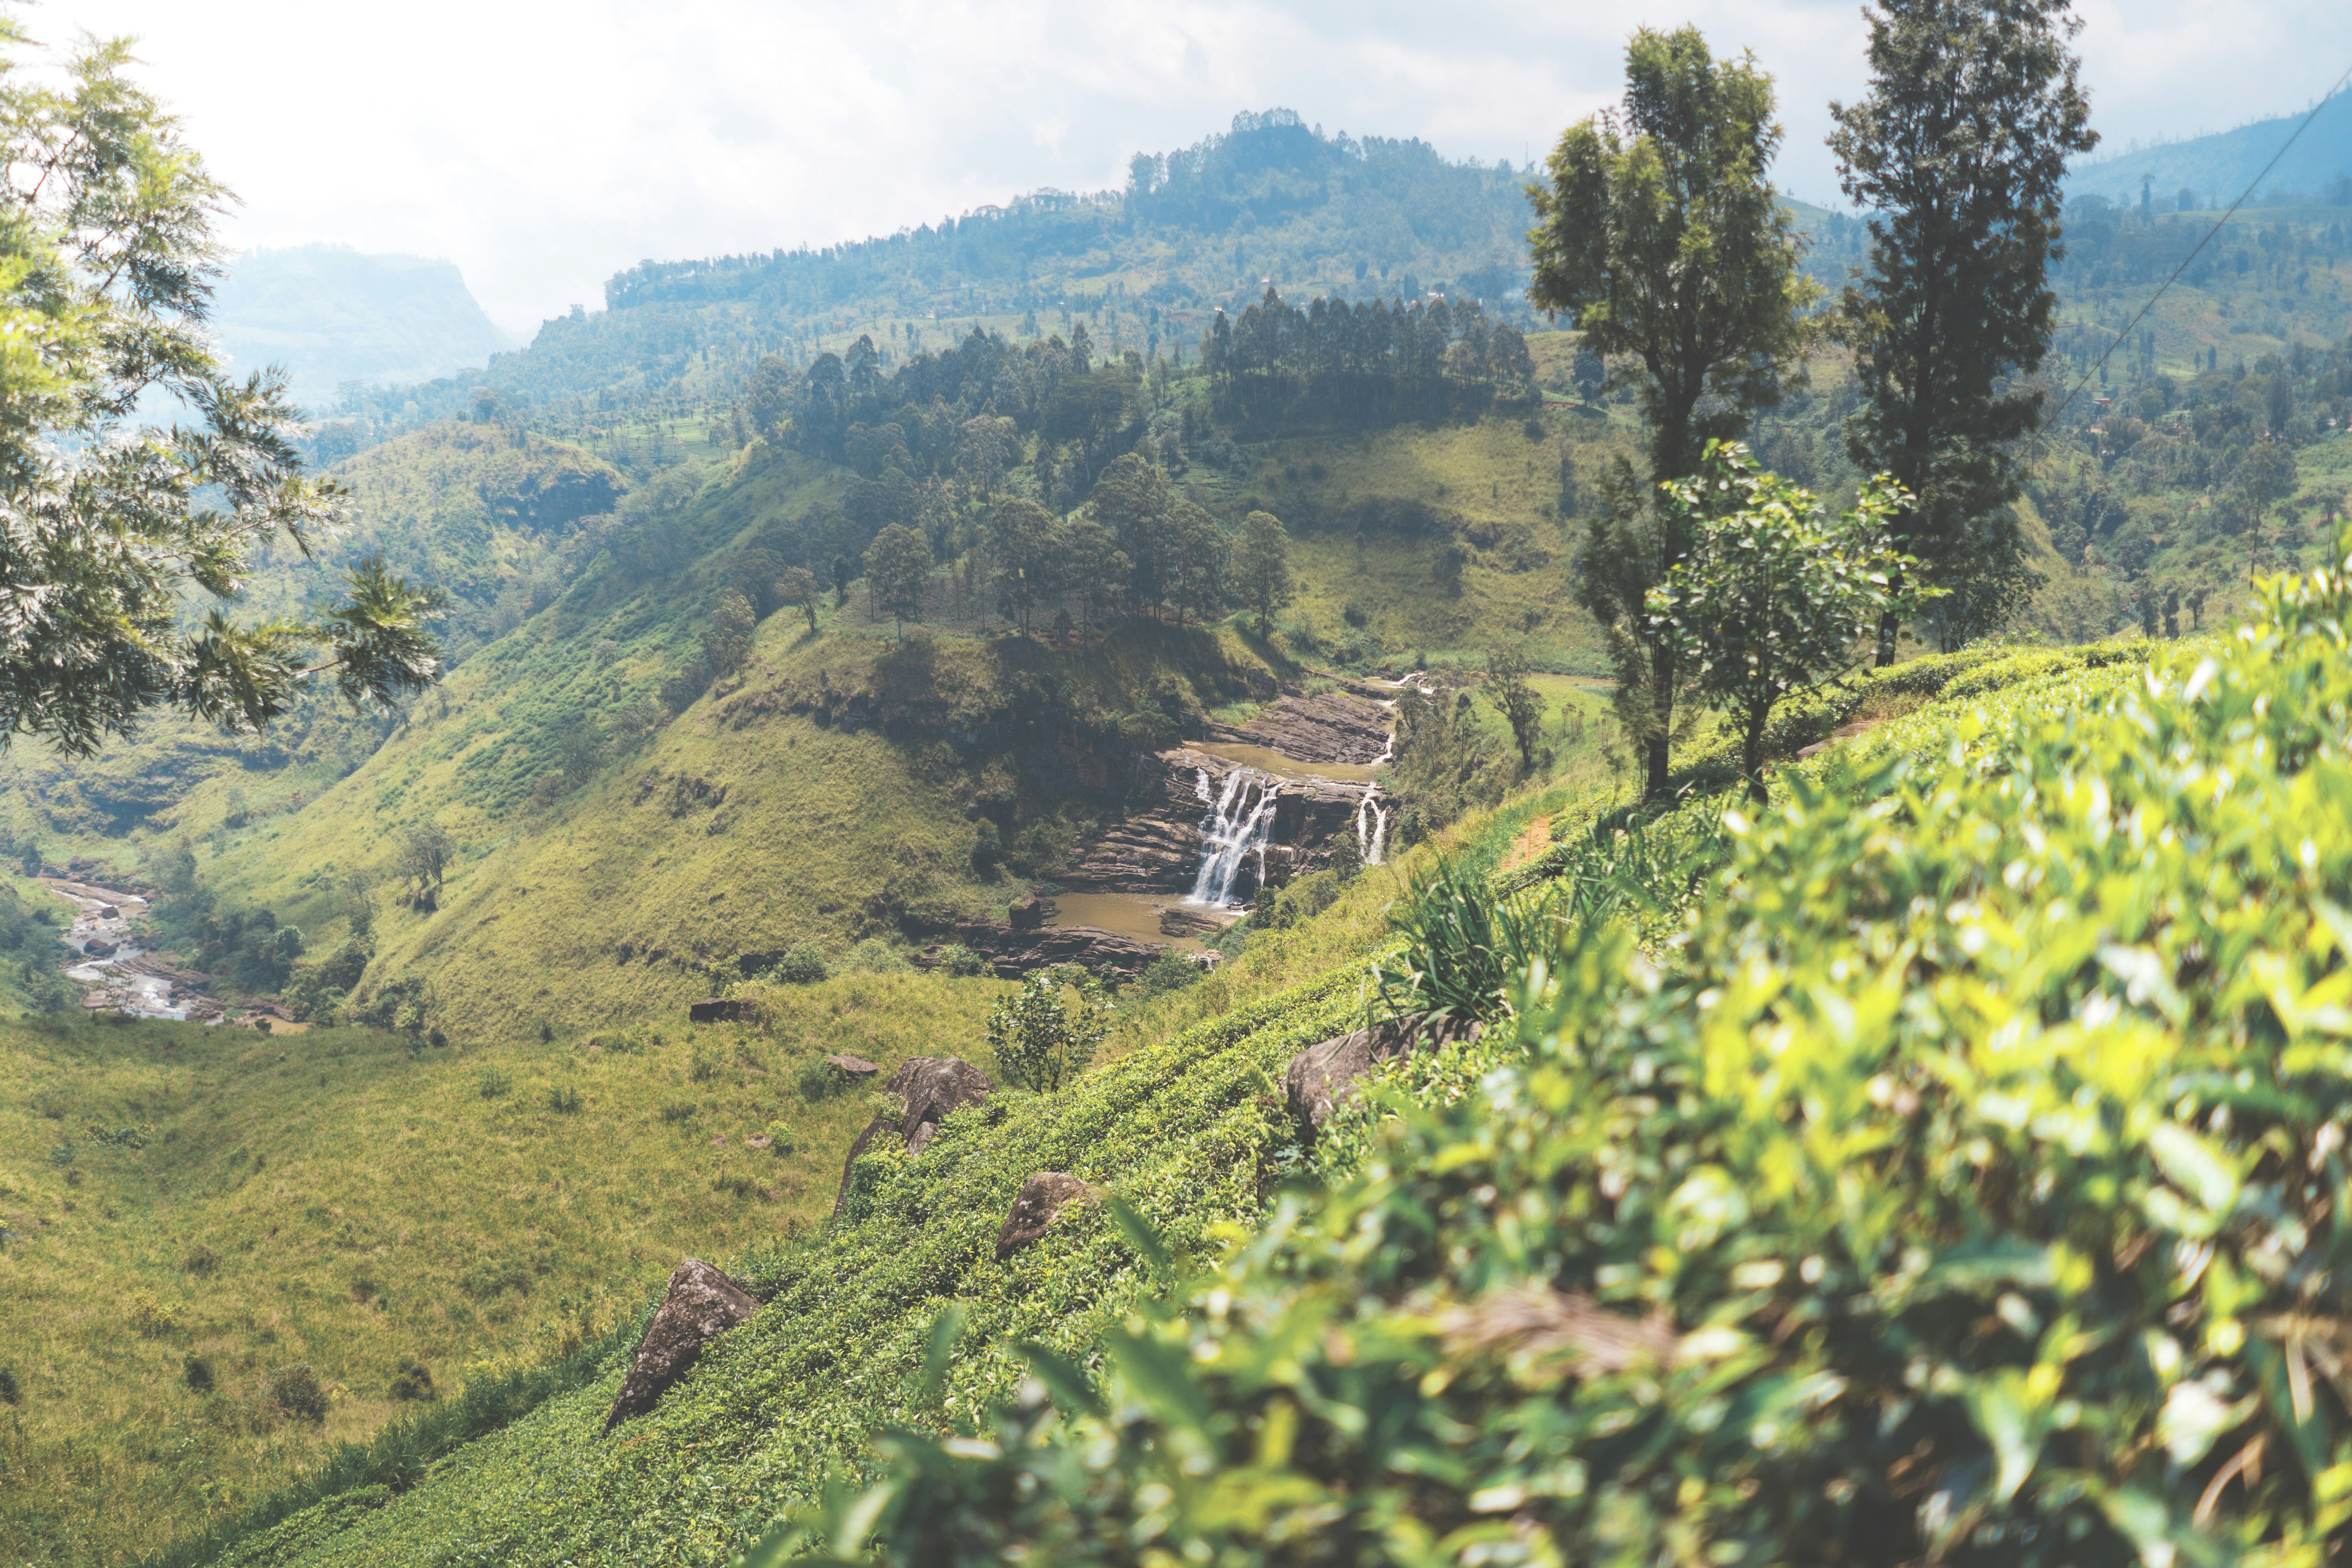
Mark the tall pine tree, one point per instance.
(1958, 154)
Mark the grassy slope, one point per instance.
(360, 1205)
(437, 504)
(814, 819)
(1186, 1127)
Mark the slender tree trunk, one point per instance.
(1659, 786)
(1751, 756)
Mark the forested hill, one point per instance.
(1272, 202)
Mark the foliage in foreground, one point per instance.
(1972, 1189)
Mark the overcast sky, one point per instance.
(542, 147)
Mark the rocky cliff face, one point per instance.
(1157, 847)
(1335, 727)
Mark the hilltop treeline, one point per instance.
(1364, 365)
(1383, 203)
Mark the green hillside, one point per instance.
(1188, 1133)
(190, 1213)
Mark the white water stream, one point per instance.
(101, 920)
(1372, 822)
(1240, 824)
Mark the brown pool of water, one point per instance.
(1132, 915)
(1268, 760)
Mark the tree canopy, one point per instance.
(1659, 231)
(1957, 154)
(107, 262)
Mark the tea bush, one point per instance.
(1968, 1183)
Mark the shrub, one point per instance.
(11, 1390)
(875, 955)
(782, 1139)
(702, 1066)
(492, 1083)
(1169, 972)
(957, 959)
(412, 1380)
(296, 1392)
(196, 1372)
(802, 963)
(1039, 1040)
(677, 1111)
(153, 1317)
(201, 1260)
(563, 1098)
(817, 1078)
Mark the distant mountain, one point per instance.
(2216, 168)
(330, 314)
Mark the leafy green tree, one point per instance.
(1774, 595)
(1262, 567)
(422, 860)
(1022, 538)
(1134, 499)
(728, 642)
(897, 568)
(1094, 568)
(1957, 154)
(1043, 1040)
(2266, 475)
(107, 266)
(799, 587)
(1520, 703)
(1659, 231)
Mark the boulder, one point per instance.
(852, 1066)
(1042, 1197)
(929, 1088)
(1013, 953)
(1324, 1076)
(700, 1304)
(932, 1086)
(719, 1010)
(1029, 912)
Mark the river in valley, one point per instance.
(116, 972)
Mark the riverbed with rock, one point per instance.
(116, 972)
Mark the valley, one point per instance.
(1129, 879)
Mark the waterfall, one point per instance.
(1371, 826)
(1236, 826)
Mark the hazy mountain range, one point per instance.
(2217, 167)
(330, 314)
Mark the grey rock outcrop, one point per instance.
(719, 1010)
(1013, 953)
(855, 1067)
(700, 1304)
(928, 1089)
(1335, 727)
(1043, 1196)
(1324, 1076)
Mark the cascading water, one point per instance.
(1371, 826)
(1239, 825)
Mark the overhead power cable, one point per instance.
(2218, 224)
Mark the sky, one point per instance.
(544, 147)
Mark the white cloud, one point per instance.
(542, 147)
